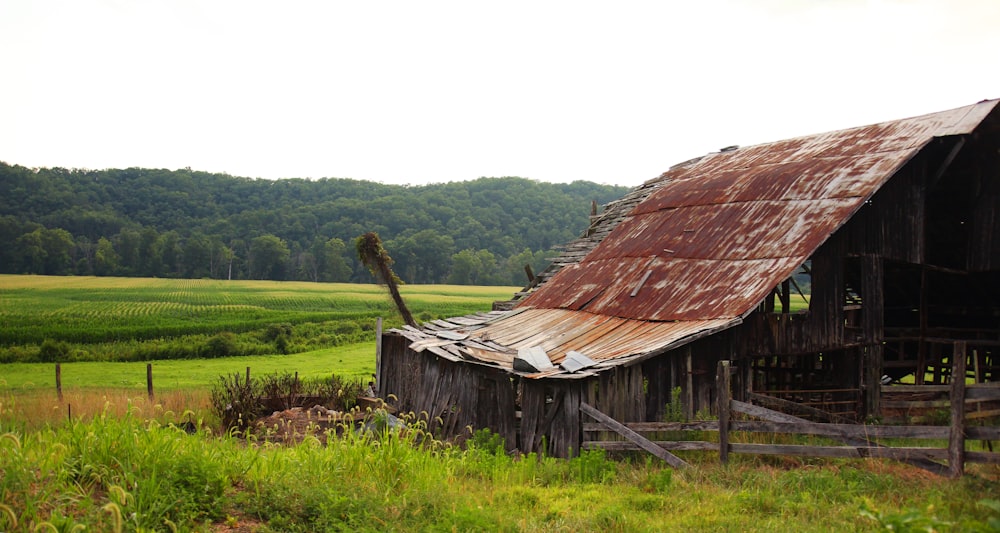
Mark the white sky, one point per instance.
(434, 91)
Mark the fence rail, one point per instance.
(859, 440)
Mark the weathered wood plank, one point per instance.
(890, 389)
(982, 433)
(764, 413)
(650, 427)
(451, 335)
(983, 414)
(670, 445)
(632, 436)
(808, 428)
(854, 431)
(785, 405)
(992, 458)
(900, 454)
(979, 392)
(915, 404)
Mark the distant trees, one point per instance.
(155, 222)
(46, 251)
(268, 254)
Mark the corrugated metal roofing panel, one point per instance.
(601, 338)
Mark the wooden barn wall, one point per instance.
(821, 328)
(618, 393)
(550, 416)
(984, 245)
(401, 372)
(690, 368)
(663, 374)
(891, 224)
(451, 395)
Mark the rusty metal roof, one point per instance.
(708, 241)
(719, 234)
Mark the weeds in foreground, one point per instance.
(37, 409)
(124, 473)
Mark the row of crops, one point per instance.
(105, 318)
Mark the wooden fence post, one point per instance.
(956, 439)
(378, 355)
(59, 382)
(248, 374)
(149, 380)
(724, 394)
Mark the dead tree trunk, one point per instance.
(377, 260)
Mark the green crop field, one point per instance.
(96, 310)
(70, 319)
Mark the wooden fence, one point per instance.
(858, 440)
(149, 380)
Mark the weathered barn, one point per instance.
(894, 226)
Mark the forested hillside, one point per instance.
(190, 224)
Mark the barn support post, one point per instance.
(723, 385)
(956, 438)
(688, 384)
(921, 370)
(873, 330)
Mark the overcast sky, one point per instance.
(414, 92)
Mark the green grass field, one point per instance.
(356, 361)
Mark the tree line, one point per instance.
(191, 224)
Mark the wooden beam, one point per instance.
(673, 445)
(632, 436)
(939, 173)
(641, 283)
(786, 297)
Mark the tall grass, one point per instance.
(124, 473)
(36, 409)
